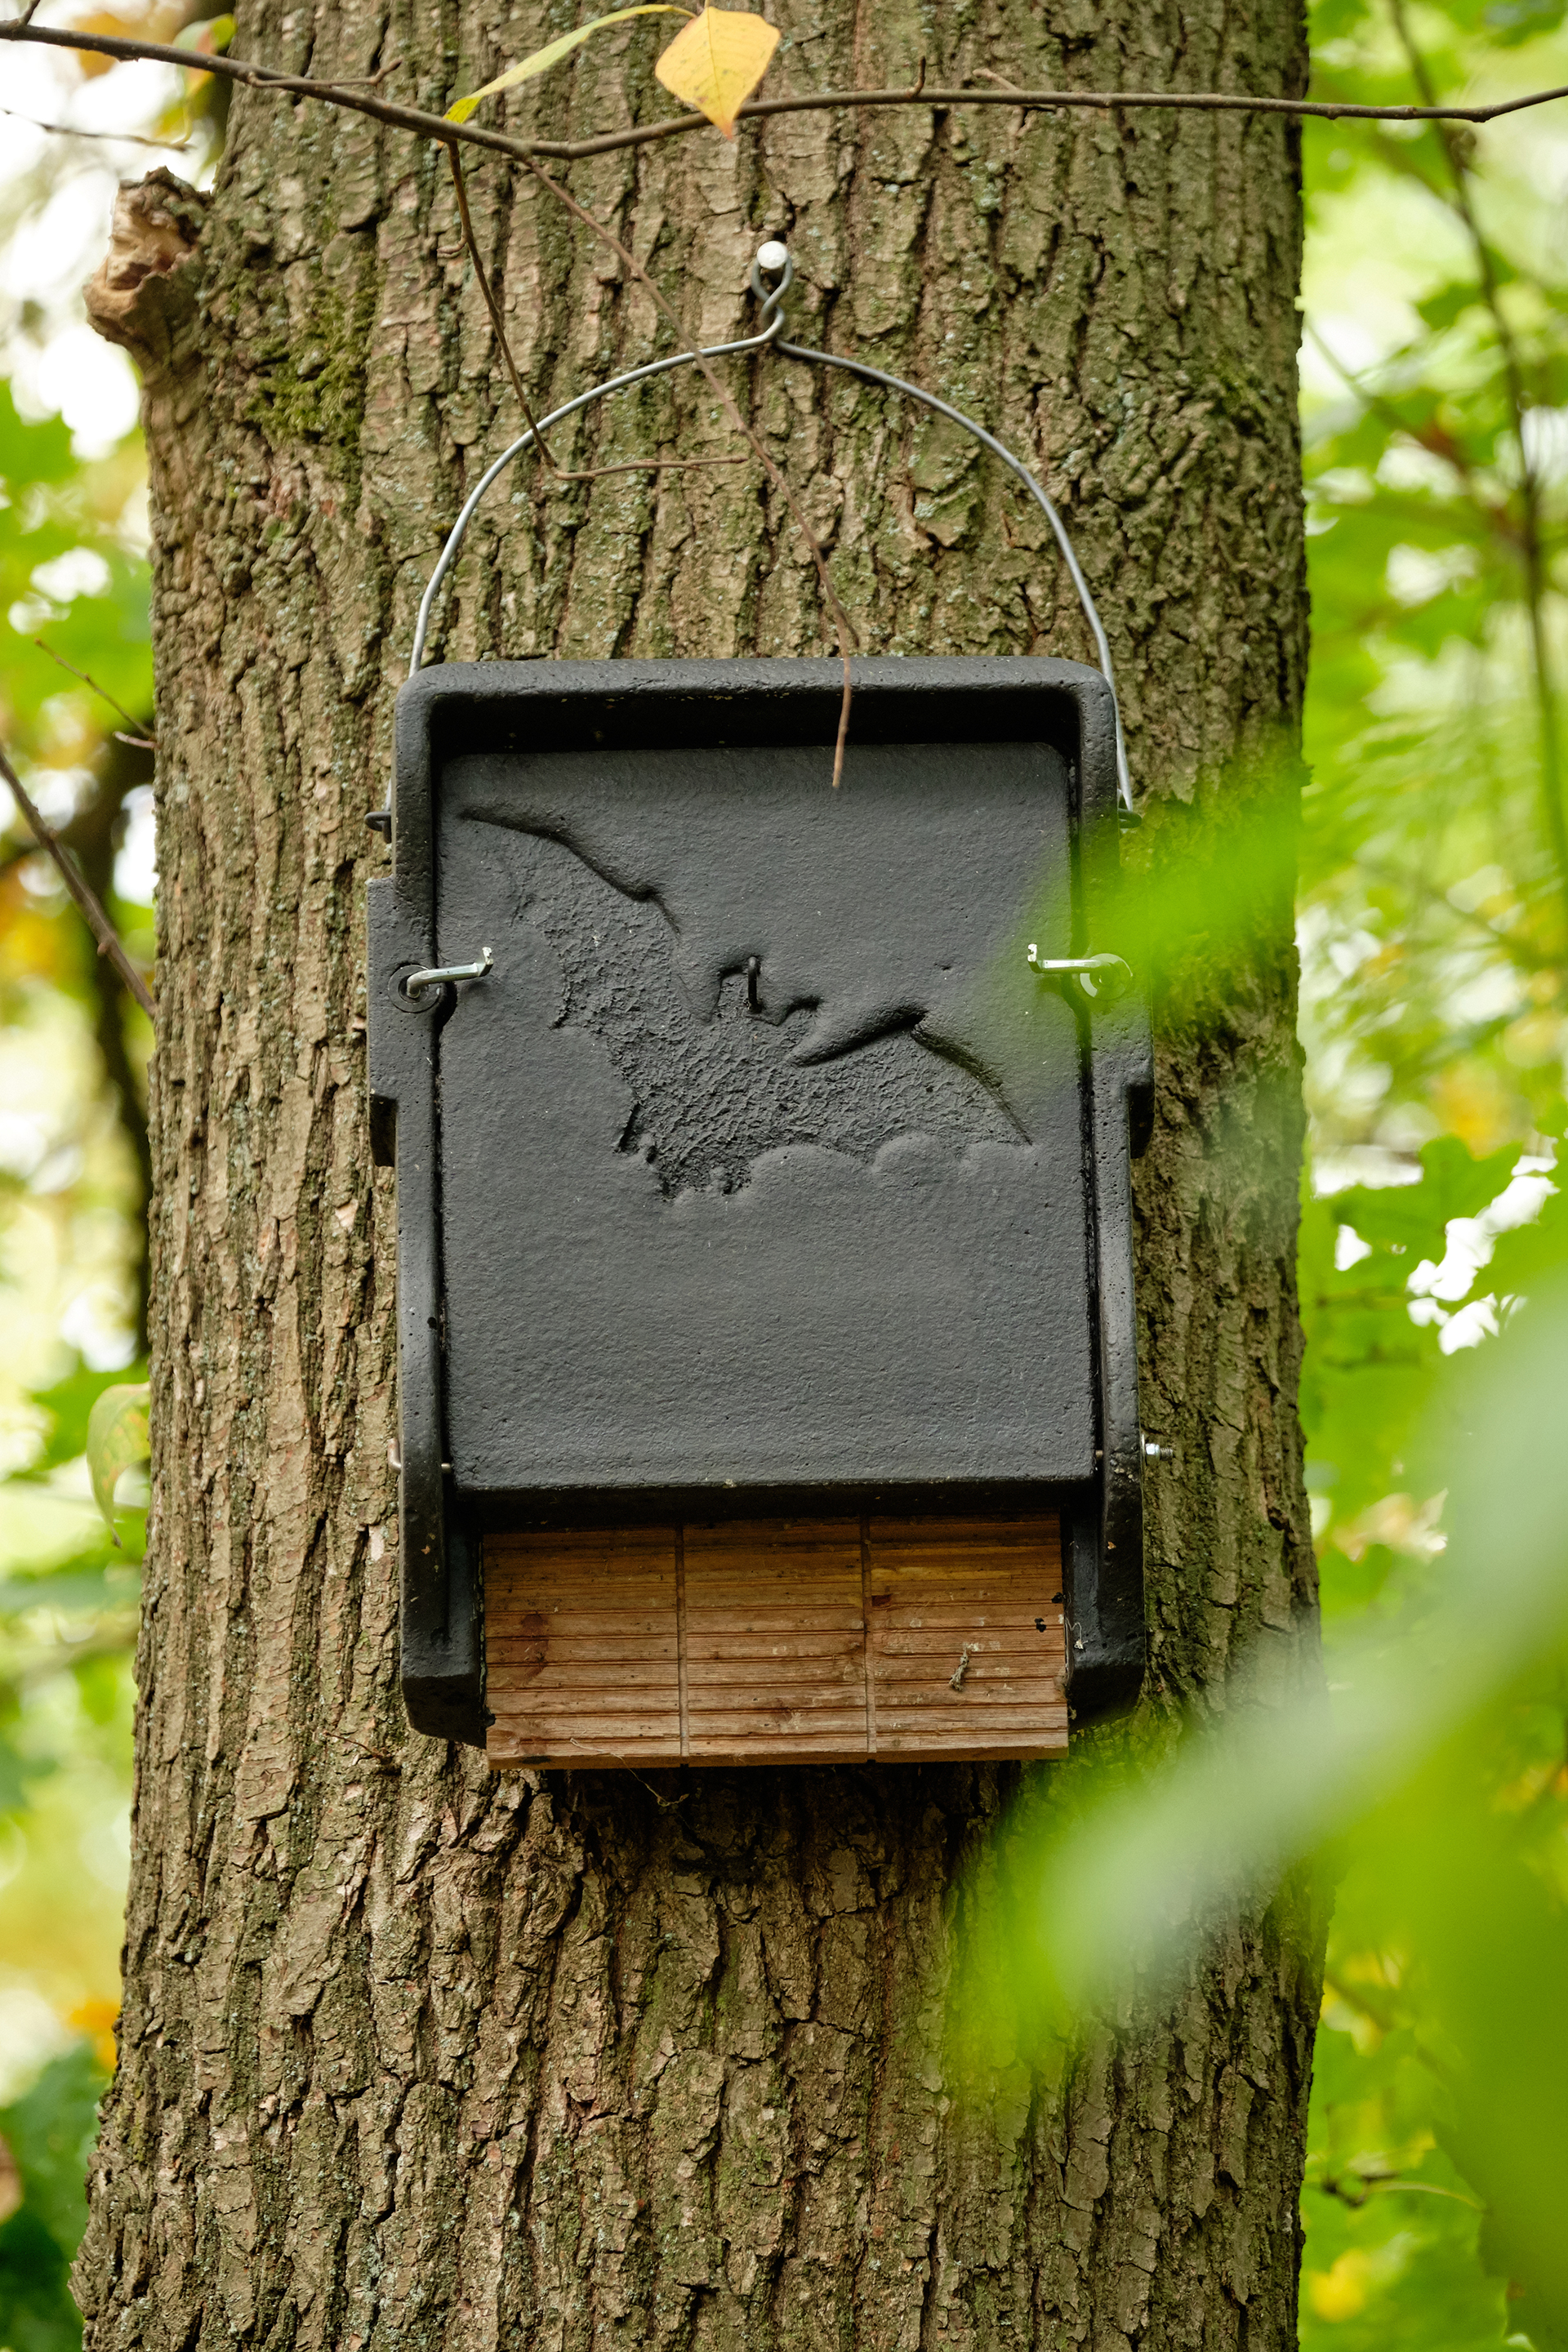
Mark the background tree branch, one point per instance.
(362, 100)
(110, 943)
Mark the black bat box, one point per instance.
(766, 1360)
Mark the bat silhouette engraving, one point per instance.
(769, 966)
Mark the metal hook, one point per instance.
(441, 975)
(1083, 968)
(776, 258)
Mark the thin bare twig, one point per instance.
(109, 940)
(1334, 2185)
(1209, 101)
(493, 307)
(92, 684)
(665, 1804)
(722, 393)
(559, 474)
(1518, 951)
(369, 81)
(1532, 535)
(120, 138)
(437, 126)
(262, 78)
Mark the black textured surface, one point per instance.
(760, 1170)
(710, 1095)
(851, 1247)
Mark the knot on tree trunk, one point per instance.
(143, 295)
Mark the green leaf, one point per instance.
(17, 1770)
(1129, 1877)
(209, 38)
(1450, 302)
(71, 1589)
(117, 1438)
(49, 2133)
(1512, 21)
(552, 52)
(69, 1404)
(1413, 1219)
(1390, 2261)
(32, 451)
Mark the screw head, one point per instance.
(773, 256)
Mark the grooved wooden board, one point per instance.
(776, 1641)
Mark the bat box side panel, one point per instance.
(762, 1151)
(776, 1641)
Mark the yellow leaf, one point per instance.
(716, 62)
(98, 2018)
(116, 27)
(552, 52)
(116, 1441)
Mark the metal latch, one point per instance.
(1092, 973)
(441, 975)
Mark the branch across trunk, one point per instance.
(412, 2053)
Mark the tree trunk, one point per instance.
(416, 2056)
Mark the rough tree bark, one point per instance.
(413, 2056)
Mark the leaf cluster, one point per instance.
(1434, 885)
(45, 2141)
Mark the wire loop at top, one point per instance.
(772, 299)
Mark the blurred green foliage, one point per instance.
(1433, 901)
(49, 2133)
(71, 583)
(73, 598)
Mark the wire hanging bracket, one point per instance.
(773, 261)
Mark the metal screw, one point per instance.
(1155, 1452)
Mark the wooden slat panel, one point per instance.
(755, 1588)
(763, 1644)
(939, 1589)
(824, 1682)
(749, 1643)
(581, 1647)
